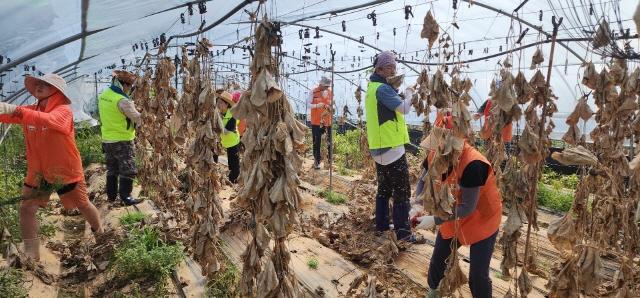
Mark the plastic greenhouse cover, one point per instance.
(35, 24)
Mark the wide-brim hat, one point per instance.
(52, 79)
(226, 96)
(124, 76)
(326, 82)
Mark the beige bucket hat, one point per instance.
(52, 79)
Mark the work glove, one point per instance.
(7, 108)
(425, 222)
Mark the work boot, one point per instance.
(32, 249)
(112, 188)
(126, 187)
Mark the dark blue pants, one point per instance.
(479, 279)
(393, 182)
(316, 134)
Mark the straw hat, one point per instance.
(226, 96)
(52, 79)
(124, 76)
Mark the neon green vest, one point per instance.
(115, 125)
(390, 134)
(230, 138)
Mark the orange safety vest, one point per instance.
(321, 116)
(486, 132)
(242, 126)
(485, 220)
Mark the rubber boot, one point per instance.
(382, 214)
(126, 187)
(401, 219)
(32, 248)
(112, 188)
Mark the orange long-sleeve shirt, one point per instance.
(49, 136)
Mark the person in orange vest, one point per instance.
(487, 127)
(476, 219)
(53, 159)
(319, 102)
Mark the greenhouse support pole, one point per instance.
(330, 134)
(534, 196)
(95, 84)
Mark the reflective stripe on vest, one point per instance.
(317, 117)
(485, 219)
(115, 126)
(231, 138)
(390, 134)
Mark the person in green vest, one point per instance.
(119, 117)
(387, 134)
(230, 138)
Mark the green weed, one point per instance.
(224, 284)
(132, 218)
(144, 255)
(333, 197)
(12, 283)
(312, 263)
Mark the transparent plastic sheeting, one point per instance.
(26, 26)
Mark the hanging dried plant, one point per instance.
(537, 59)
(430, 29)
(563, 233)
(454, 278)
(576, 156)
(590, 75)
(603, 35)
(589, 269)
(269, 173)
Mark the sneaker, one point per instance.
(316, 165)
(129, 201)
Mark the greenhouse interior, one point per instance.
(319, 148)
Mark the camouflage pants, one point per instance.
(120, 159)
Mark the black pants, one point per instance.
(479, 279)
(316, 133)
(393, 182)
(233, 156)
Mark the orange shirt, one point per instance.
(50, 140)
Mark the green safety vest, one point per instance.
(115, 125)
(390, 134)
(231, 138)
